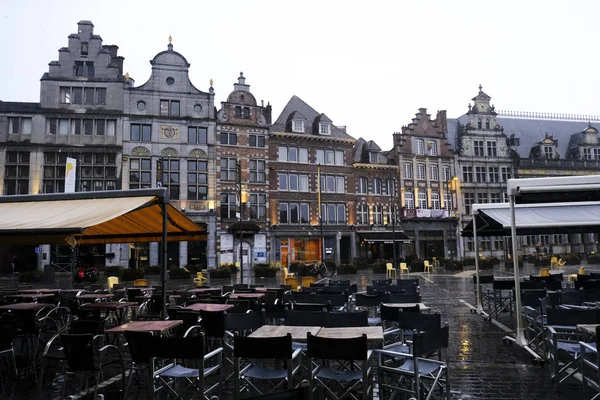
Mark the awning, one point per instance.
(113, 217)
(244, 226)
(384, 236)
(533, 219)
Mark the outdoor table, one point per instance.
(374, 334)
(208, 307)
(422, 306)
(70, 292)
(146, 326)
(298, 333)
(31, 296)
(588, 331)
(111, 306)
(39, 291)
(205, 290)
(24, 306)
(252, 296)
(142, 288)
(147, 297)
(94, 296)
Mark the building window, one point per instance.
(141, 133)
(376, 189)
(491, 149)
(292, 154)
(587, 154)
(448, 201)
(283, 182)
(482, 198)
(19, 125)
(330, 157)
(95, 171)
(422, 198)
(467, 174)
(171, 177)
(469, 199)
(88, 127)
(498, 243)
(409, 200)
(228, 169)
(324, 129)
(298, 126)
(257, 170)
(558, 239)
(419, 146)
(432, 148)
(258, 206)
(480, 174)
(479, 123)
(363, 185)
(84, 49)
(408, 171)
(373, 156)
(469, 244)
(228, 205)
(377, 215)
(333, 184)
(140, 173)
(303, 155)
(197, 179)
(596, 154)
(257, 141)
(485, 244)
(197, 135)
(435, 200)
(495, 197)
(169, 108)
(434, 173)
(390, 186)
(506, 173)
(478, 148)
(84, 68)
(54, 172)
(362, 213)
(446, 174)
(333, 214)
(494, 174)
(228, 138)
(487, 123)
(78, 95)
(16, 173)
(293, 213)
(421, 171)
(242, 112)
(293, 182)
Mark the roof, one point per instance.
(128, 216)
(297, 105)
(15, 106)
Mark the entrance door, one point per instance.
(245, 257)
(284, 246)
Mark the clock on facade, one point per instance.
(482, 107)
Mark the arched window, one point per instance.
(479, 122)
(487, 123)
(419, 146)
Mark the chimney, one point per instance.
(441, 122)
(341, 128)
(267, 113)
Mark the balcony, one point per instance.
(559, 164)
(414, 213)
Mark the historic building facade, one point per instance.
(169, 141)
(427, 186)
(303, 145)
(242, 159)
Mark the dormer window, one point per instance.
(324, 128)
(298, 126)
(373, 157)
(84, 49)
(549, 151)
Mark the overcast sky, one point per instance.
(367, 65)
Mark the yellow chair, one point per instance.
(307, 281)
(389, 268)
(199, 279)
(404, 269)
(554, 262)
(581, 271)
(572, 278)
(286, 274)
(560, 263)
(293, 282)
(545, 272)
(140, 283)
(112, 280)
(427, 267)
(435, 262)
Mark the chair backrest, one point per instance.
(570, 317)
(371, 300)
(553, 285)
(591, 295)
(528, 285)
(483, 279)
(263, 348)
(553, 259)
(426, 263)
(389, 266)
(240, 286)
(213, 323)
(409, 284)
(304, 318)
(427, 342)
(405, 298)
(284, 273)
(420, 322)
(574, 297)
(504, 284)
(337, 282)
(390, 314)
(337, 349)
(111, 281)
(293, 282)
(82, 326)
(557, 277)
(346, 319)
(244, 322)
(311, 306)
(244, 290)
(532, 298)
(545, 272)
(140, 282)
(398, 289)
(133, 293)
(79, 351)
(403, 265)
(382, 282)
(8, 331)
(581, 271)
(307, 281)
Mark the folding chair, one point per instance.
(382, 282)
(408, 323)
(410, 285)
(304, 318)
(8, 332)
(343, 361)
(405, 298)
(251, 357)
(502, 296)
(311, 306)
(485, 281)
(371, 303)
(590, 372)
(336, 319)
(415, 373)
(339, 282)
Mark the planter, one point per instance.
(216, 274)
(265, 273)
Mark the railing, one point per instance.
(547, 116)
(559, 164)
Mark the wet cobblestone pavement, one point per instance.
(481, 365)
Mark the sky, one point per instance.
(368, 65)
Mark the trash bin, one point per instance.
(49, 272)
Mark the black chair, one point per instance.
(371, 303)
(252, 350)
(84, 359)
(275, 313)
(346, 319)
(574, 297)
(382, 282)
(245, 290)
(408, 323)
(486, 282)
(132, 294)
(333, 282)
(213, 325)
(152, 308)
(304, 318)
(352, 373)
(410, 285)
(311, 307)
(8, 332)
(423, 373)
(590, 372)
(553, 285)
(502, 296)
(405, 298)
(191, 323)
(243, 324)
(532, 285)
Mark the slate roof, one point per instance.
(529, 131)
(19, 107)
(296, 104)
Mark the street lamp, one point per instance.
(320, 212)
(393, 216)
(242, 198)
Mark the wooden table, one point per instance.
(169, 296)
(253, 296)
(93, 296)
(109, 305)
(205, 290)
(298, 332)
(40, 291)
(209, 307)
(25, 306)
(142, 288)
(145, 326)
(422, 306)
(32, 296)
(374, 334)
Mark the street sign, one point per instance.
(38, 250)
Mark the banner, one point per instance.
(70, 175)
(159, 175)
(226, 241)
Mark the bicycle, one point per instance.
(321, 269)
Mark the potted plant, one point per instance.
(265, 270)
(224, 271)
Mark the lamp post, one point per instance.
(393, 216)
(240, 218)
(320, 212)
